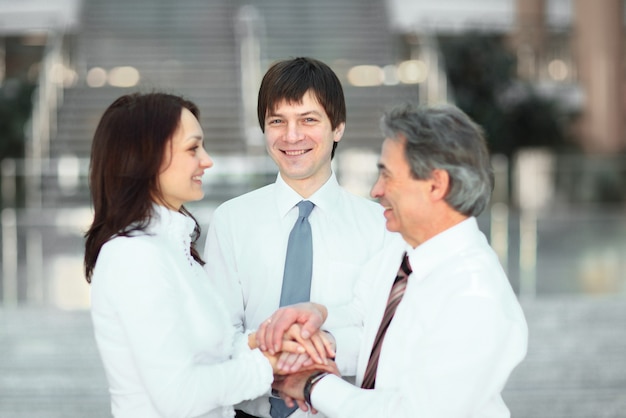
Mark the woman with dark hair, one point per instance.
(163, 333)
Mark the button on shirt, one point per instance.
(247, 243)
(455, 338)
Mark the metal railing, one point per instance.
(42, 126)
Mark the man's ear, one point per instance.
(338, 132)
(440, 184)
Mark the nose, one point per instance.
(293, 133)
(206, 161)
(377, 189)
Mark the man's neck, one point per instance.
(446, 219)
(307, 187)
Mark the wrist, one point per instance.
(310, 383)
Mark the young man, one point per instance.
(440, 338)
(301, 110)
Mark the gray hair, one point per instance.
(443, 137)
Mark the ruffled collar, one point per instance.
(175, 225)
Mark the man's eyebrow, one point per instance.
(309, 112)
(305, 113)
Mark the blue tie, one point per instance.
(299, 260)
(296, 279)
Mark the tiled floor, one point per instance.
(575, 368)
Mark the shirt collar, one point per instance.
(436, 250)
(172, 222)
(324, 198)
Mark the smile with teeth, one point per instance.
(197, 178)
(295, 153)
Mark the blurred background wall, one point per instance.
(545, 78)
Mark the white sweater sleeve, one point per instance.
(148, 337)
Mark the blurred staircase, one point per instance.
(183, 48)
(191, 48)
(342, 34)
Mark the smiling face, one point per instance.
(408, 202)
(184, 162)
(299, 138)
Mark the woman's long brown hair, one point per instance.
(126, 155)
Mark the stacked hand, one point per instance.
(296, 347)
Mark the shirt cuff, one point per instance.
(330, 393)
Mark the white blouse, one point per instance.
(162, 331)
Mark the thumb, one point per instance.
(311, 326)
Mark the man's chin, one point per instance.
(391, 224)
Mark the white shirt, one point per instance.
(247, 244)
(162, 331)
(455, 338)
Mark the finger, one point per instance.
(303, 405)
(315, 367)
(261, 334)
(326, 345)
(312, 324)
(293, 361)
(329, 346)
(258, 335)
(269, 335)
(320, 347)
(313, 316)
(331, 367)
(282, 320)
(288, 400)
(308, 344)
(292, 347)
(285, 362)
(298, 362)
(323, 346)
(281, 360)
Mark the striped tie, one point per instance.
(395, 296)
